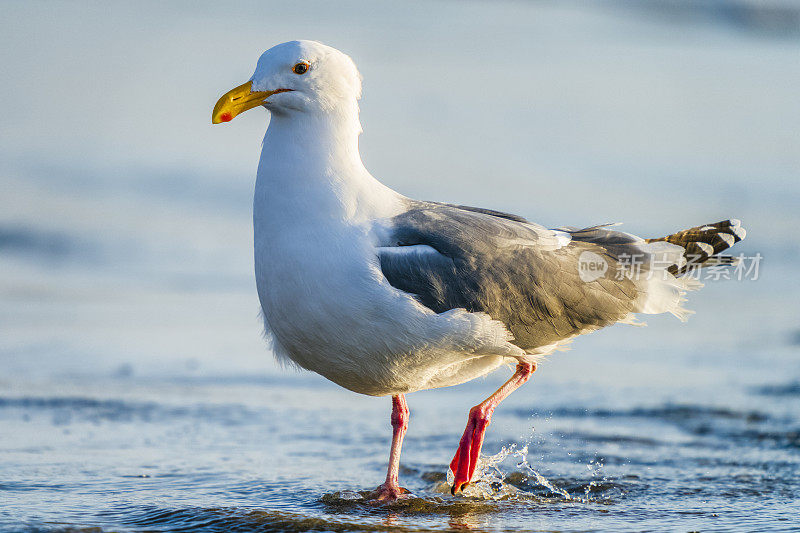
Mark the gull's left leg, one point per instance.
(390, 490)
(466, 458)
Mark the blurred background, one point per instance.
(133, 375)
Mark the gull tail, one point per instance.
(703, 244)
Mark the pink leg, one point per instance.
(390, 490)
(469, 449)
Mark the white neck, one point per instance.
(310, 167)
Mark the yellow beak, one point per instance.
(238, 101)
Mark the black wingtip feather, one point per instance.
(704, 243)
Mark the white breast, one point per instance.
(317, 215)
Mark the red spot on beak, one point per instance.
(225, 117)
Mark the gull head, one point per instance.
(295, 77)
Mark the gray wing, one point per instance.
(517, 272)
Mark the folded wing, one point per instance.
(517, 272)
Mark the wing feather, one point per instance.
(515, 271)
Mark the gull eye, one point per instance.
(300, 68)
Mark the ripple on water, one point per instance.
(718, 426)
(782, 390)
(233, 519)
(667, 413)
(71, 408)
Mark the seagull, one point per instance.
(386, 295)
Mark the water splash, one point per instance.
(595, 466)
(490, 481)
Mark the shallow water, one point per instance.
(136, 393)
(297, 454)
